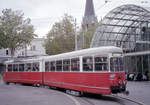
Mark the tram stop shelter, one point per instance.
(128, 27)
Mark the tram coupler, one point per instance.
(126, 92)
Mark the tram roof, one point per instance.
(86, 52)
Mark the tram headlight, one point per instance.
(120, 82)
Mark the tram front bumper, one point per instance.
(118, 89)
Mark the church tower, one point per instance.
(89, 19)
(89, 15)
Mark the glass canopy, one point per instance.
(125, 26)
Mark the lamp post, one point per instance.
(25, 46)
(25, 49)
(76, 47)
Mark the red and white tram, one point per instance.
(95, 70)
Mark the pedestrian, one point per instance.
(144, 78)
(147, 75)
(135, 77)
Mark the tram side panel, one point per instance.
(23, 77)
(23, 73)
(98, 83)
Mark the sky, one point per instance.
(44, 13)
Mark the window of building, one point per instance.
(59, 65)
(9, 68)
(21, 67)
(66, 65)
(47, 64)
(34, 48)
(75, 62)
(35, 67)
(88, 64)
(52, 66)
(101, 64)
(7, 52)
(22, 52)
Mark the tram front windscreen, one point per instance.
(116, 64)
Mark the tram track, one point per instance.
(114, 98)
(127, 99)
(95, 99)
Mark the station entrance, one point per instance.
(137, 63)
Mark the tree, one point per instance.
(88, 35)
(60, 38)
(15, 31)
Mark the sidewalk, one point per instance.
(139, 91)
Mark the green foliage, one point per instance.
(88, 35)
(15, 31)
(60, 38)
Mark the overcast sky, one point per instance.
(44, 13)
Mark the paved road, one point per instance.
(27, 95)
(139, 91)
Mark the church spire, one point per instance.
(89, 15)
(89, 9)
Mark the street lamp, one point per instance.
(76, 47)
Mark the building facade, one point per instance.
(36, 48)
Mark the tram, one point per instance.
(95, 70)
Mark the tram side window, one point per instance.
(59, 65)
(9, 68)
(47, 64)
(52, 66)
(88, 64)
(15, 67)
(35, 67)
(21, 67)
(75, 64)
(66, 65)
(28, 67)
(101, 64)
